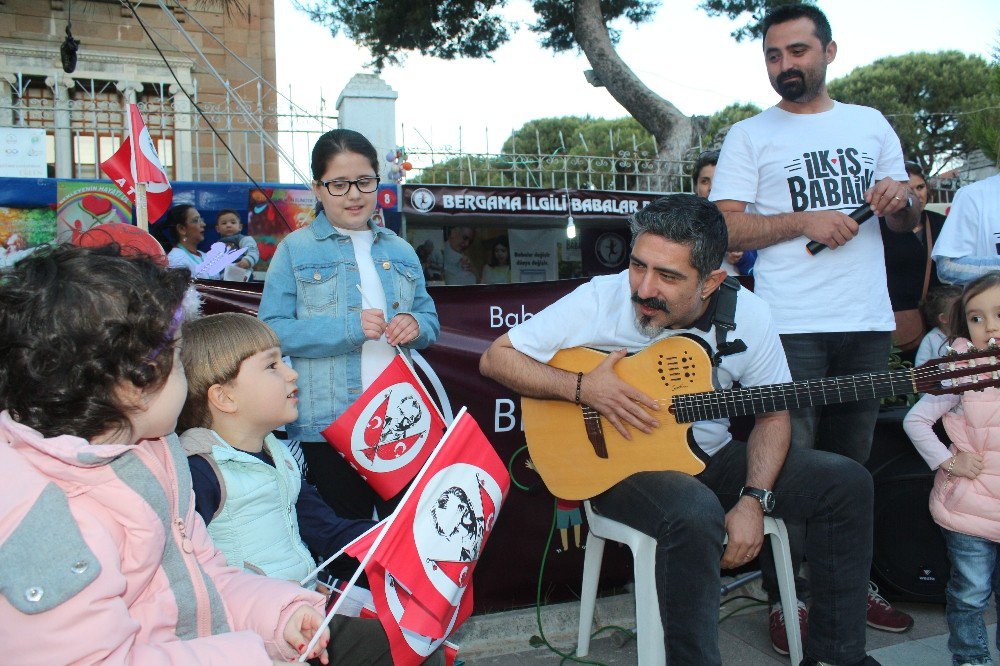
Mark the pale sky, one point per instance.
(683, 54)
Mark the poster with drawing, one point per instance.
(22, 230)
(85, 205)
(270, 221)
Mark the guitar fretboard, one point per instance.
(792, 395)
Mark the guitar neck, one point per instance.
(728, 403)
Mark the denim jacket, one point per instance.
(311, 301)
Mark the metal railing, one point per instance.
(88, 121)
(626, 171)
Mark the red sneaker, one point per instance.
(776, 622)
(881, 614)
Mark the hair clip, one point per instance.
(171, 332)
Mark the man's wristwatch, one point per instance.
(765, 497)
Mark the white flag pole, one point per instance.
(366, 303)
(141, 213)
(315, 572)
(378, 541)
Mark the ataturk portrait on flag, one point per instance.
(452, 521)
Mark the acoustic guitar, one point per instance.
(579, 455)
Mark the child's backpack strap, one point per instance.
(218, 475)
(725, 320)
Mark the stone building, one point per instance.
(82, 111)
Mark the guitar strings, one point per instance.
(828, 385)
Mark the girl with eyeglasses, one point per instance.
(338, 336)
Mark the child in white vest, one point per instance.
(965, 500)
(260, 512)
(248, 487)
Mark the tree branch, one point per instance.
(661, 118)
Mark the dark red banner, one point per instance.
(520, 201)
(471, 318)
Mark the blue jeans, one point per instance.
(974, 575)
(686, 515)
(845, 429)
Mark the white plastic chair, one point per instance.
(649, 638)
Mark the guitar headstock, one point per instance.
(973, 370)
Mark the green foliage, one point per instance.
(448, 30)
(985, 130)
(735, 9)
(475, 28)
(555, 19)
(541, 152)
(932, 100)
(720, 122)
(576, 135)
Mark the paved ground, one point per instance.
(743, 640)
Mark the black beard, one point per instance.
(794, 86)
(792, 90)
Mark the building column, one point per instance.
(182, 134)
(128, 89)
(61, 86)
(8, 83)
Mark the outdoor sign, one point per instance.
(22, 152)
(520, 201)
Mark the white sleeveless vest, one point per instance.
(256, 527)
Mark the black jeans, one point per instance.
(846, 428)
(830, 494)
(356, 641)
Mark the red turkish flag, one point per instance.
(128, 167)
(389, 432)
(407, 648)
(434, 539)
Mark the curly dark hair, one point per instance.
(74, 324)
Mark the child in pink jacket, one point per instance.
(102, 556)
(965, 500)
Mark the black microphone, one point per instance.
(859, 215)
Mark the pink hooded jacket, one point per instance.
(972, 421)
(104, 560)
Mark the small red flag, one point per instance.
(407, 648)
(389, 432)
(435, 538)
(128, 167)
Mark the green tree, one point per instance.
(930, 99)
(475, 28)
(542, 148)
(985, 130)
(720, 122)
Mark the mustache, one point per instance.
(653, 303)
(791, 73)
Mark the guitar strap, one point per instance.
(724, 320)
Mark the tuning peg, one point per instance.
(950, 351)
(992, 344)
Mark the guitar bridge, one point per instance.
(595, 432)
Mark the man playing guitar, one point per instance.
(672, 287)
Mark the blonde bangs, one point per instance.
(212, 350)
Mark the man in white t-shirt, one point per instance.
(672, 287)
(969, 243)
(791, 175)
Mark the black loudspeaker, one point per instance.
(910, 560)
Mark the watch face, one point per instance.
(767, 501)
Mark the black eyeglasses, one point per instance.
(338, 188)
